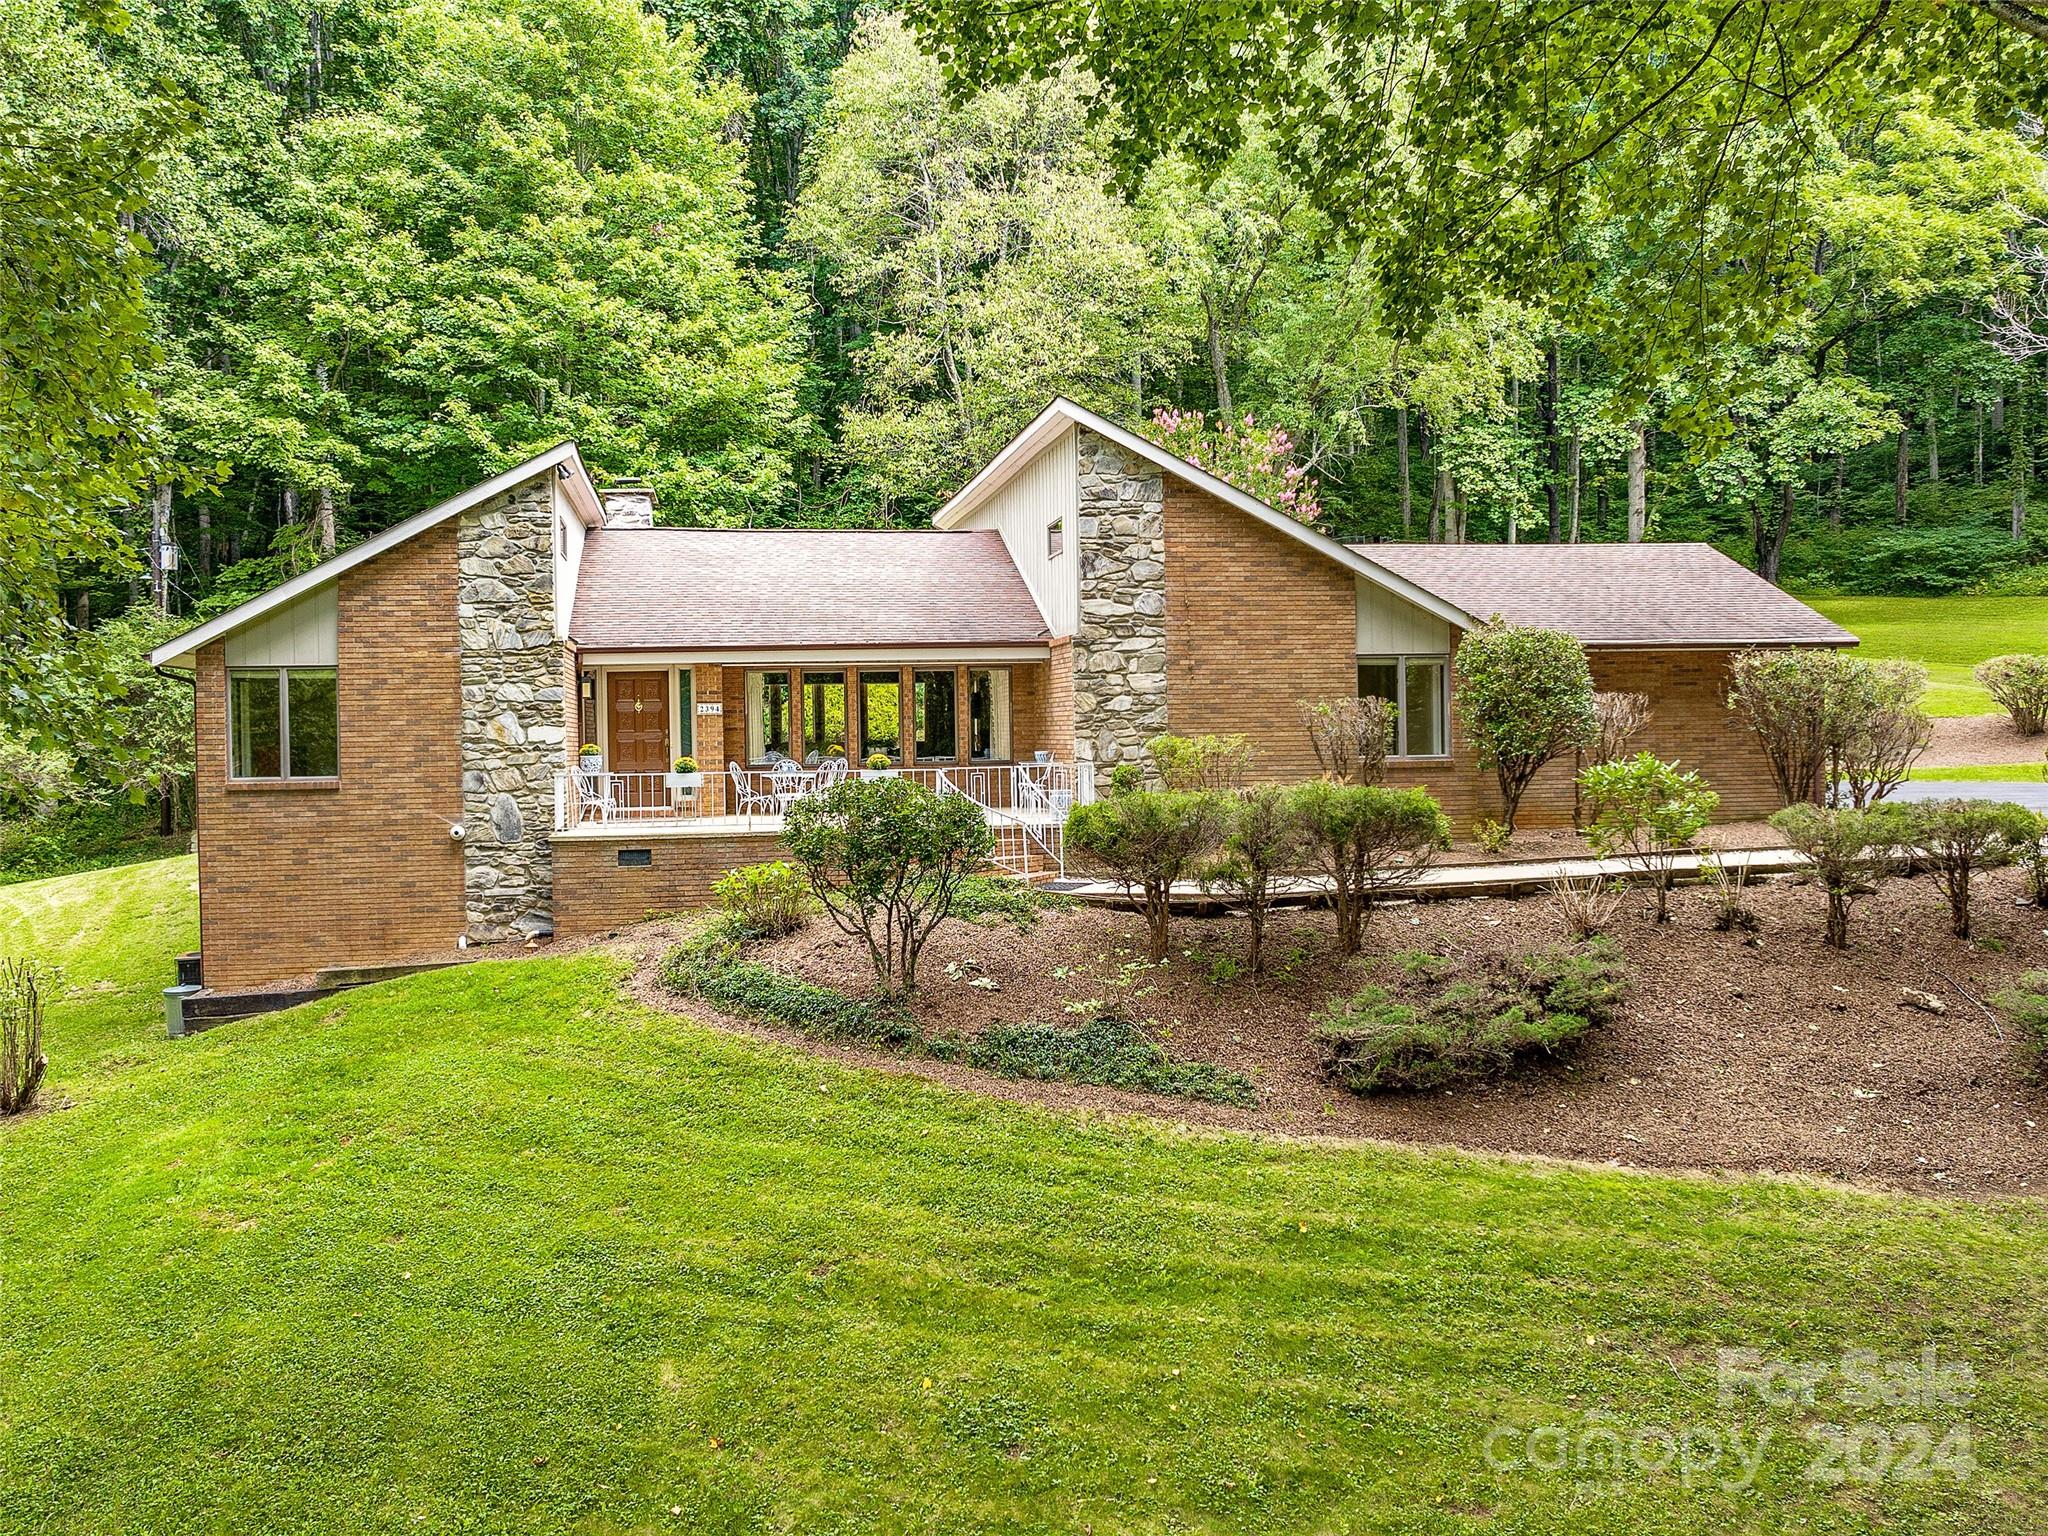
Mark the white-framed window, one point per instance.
(1055, 538)
(1419, 687)
(283, 723)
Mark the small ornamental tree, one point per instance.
(1957, 838)
(1851, 851)
(1351, 737)
(1371, 842)
(2019, 686)
(1526, 696)
(1201, 762)
(1646, 812)
(1262, 841)
(1876, 728)
(885, 857)
(1146, 840)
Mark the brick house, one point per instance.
(388, 744)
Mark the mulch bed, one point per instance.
(1733, 1052)
(1970, 740)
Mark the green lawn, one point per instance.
(1950, 634)
(1998, 773)
(497, 1249)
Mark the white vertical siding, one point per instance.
(1393, 626)
(303, 633)
(1042, 491)
(568, 555)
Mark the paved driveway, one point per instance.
(2032, 796)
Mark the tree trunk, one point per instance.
(1770, 532)
(1600, 494)
(1977, 455)
(1401, 458)
(1549, 406)
(290, 513)
(1902, 475)
(1835, 503)
(323, 519)
(1933, 450)
(1838, 919)
(1219, 363)
(1638, 485)
(1575, 482)
(204, 553)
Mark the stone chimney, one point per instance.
(628, 504)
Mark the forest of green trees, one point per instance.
(278, 273)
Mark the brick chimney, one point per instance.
(628, 504)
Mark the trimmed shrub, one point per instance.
(1109, 1051)
(1201, 762)
(1526, 696)
(1851, 850)
(1830, 724)
(1372, 842)
(1147, 840)
(1263, 839)
(885, 858)
(2019, 686)
(1646, 812)
(767, 900)
(1351, 737)
(2025, 1002)
(22, 1062)
(1125, 779)
(1958, 838)
(1877, 730)
(1474, 1016)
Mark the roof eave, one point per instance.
(182, 653)
(1063, 413)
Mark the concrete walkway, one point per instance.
(1520, 877)
(2034, 796)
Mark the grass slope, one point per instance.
(1950, 634)
(497, 1249)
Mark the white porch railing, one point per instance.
(1025, 804)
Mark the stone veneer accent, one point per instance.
(1120, 647)
(512, 711)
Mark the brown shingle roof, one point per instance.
(1613, 594)
(714, 588)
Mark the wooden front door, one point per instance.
(639, 722)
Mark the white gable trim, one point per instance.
(182, 653)
(1063, 413)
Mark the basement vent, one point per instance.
(635, 858)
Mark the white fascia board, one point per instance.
(1062, 413)
(182, 653)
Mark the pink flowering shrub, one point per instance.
(1253, 458)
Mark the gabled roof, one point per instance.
(1064, 414)
(703, 589)
(182, 651)
(1638, 596)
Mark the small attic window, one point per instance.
(1055, 538)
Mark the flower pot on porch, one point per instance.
(879, 773)
(684, 780)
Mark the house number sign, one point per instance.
(710, 709)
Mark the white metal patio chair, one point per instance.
(595, 800)
(746, 799)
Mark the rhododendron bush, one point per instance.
(1256, 459)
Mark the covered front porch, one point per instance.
(724, 745)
